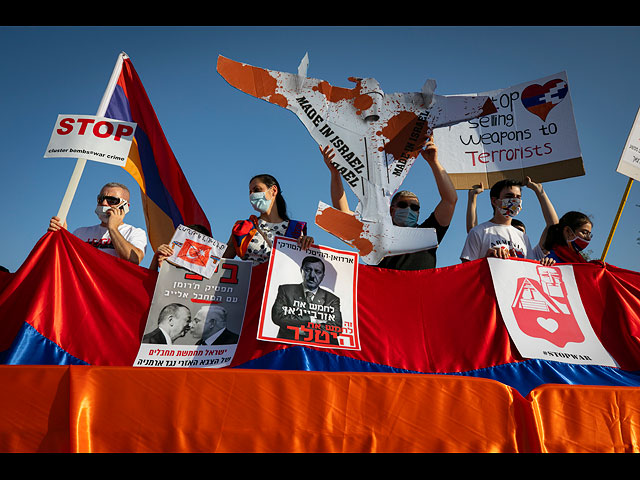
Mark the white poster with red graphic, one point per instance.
(195, 251)
(533, 133)
(310, 297)
(543, 312)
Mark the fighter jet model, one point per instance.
(376, 138)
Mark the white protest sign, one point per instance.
(543, 312)
(310, 297)
(195, 251)
(194, 321)
(629, 163)
(533, 134)
(93, 138)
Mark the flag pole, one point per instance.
(615, 221)
(81, 162)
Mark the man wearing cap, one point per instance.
(111, 235)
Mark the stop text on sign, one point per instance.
(94, 138)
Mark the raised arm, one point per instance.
(338, 195)
(472, 212)
(448, 195)
(548, 212)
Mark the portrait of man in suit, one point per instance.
(209, 327)
(302, 309)
(173, 323)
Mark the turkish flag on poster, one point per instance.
(196, 251)
(543, 312)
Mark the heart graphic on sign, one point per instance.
(540, 99)
(549, 324)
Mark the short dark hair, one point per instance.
(200, 229)
(517, 223)
(312, 259)
(501, 185)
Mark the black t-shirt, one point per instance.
(417, 260)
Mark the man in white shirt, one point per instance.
(498, 237)
(111, 235)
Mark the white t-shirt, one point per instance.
(99, 237)
(489, 235)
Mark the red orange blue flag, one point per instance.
(167, 198)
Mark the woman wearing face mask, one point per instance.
(252, 239)
(567, 238)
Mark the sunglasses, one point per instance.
(110, 199)
(413, 206)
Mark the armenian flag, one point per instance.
(167, 198)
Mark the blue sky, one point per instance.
(221, 136)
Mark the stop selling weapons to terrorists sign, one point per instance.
(533, 133)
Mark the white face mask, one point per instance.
(101, 210)
(510, 207)
(259, 202)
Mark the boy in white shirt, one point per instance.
(498, 237)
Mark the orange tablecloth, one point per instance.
(126, 409)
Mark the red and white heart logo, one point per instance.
(540, 99)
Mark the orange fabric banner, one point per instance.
(126, 409)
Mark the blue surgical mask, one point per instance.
(259, 202)
(405, 217)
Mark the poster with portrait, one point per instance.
(543, 312)
(533, 133)
(310, 297)
(195, 321)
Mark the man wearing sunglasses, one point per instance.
(405, 210)
(111, 235)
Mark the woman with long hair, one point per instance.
(252, 239)
(567, 238)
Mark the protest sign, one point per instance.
(195, 251)
(93, 138)
(543, 312)
(629, 163)
(533, 133)
(194, 321)
(310, 297)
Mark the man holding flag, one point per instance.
(166, 197)
(112, 235)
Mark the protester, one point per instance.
(472, 215)
(111, 235)
(405, 209)
(165, 250)
(569, 237)
(498, 237)
(252, 239)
